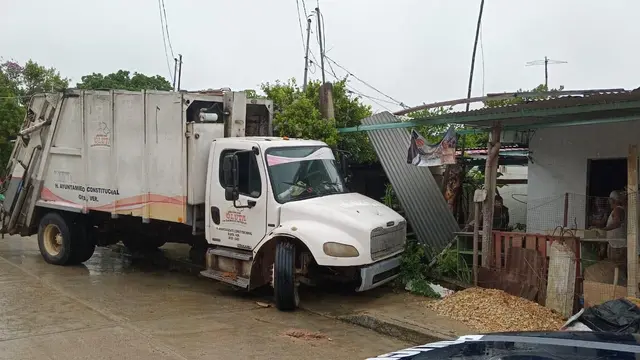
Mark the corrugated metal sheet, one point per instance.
(417, 190)
(548, 103)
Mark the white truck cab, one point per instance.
(284, 202)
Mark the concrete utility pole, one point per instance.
(175, 72)
(546, 62)
(179, 70)
(320, 42)
(326, 101)
(306, 56)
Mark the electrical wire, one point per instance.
(300, 24)
(349, 90)
(164, 40)
(356, 92)
(166, 25)
(366, 83)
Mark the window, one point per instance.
(298, 173)
(249, 182)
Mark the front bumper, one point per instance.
(379, 273)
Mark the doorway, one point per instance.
(603, 176)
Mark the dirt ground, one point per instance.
(116, 307)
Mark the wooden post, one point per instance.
(326, 101)
(632, 221)
(490, 176)
(478, 197)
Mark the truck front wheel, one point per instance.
(285, 289)
(54, 239)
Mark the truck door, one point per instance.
(244, 224)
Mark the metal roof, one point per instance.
(566, 108)
(417, 190)
(556, 109)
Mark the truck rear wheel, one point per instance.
(83, 246)
(54, 239)
(285, 289)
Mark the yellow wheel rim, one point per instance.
(53, 239)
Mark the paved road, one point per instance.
(114, 307)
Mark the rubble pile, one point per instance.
(490, 310)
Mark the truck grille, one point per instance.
(385, 241)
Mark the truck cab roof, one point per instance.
(272, 141)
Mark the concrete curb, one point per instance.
(395, 328)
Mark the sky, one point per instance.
(415, 51)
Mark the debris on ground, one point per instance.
(428, 289)
(306, 335)
(491, 310)
(263, 304)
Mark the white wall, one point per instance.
(560, 166)
(513, 195)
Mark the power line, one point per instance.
(166, 25)
(366, 83)
(164, 40)
(375, 100)
(351, 90)
(300, 23)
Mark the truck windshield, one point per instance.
(303, 172)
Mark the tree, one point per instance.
(297, 114)
(122, 80)
(434, 133)
(17, 84)
(32, 78)
(11, 114)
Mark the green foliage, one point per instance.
(414, 269)
(122, 80)
(390, 199)
(24, 81)
(11, 114)
(17, 84)
(541, 89)
(434, 133)
(450, 264)
(252, 94)
(297, 114)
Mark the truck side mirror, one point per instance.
(230, 175)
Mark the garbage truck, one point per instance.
(93, 168)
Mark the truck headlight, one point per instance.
(340, 250)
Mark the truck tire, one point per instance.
(55, 239)
(82, 246)
(284, 286)
(142, 243)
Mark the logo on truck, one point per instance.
(235, 216)
(102, 136)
